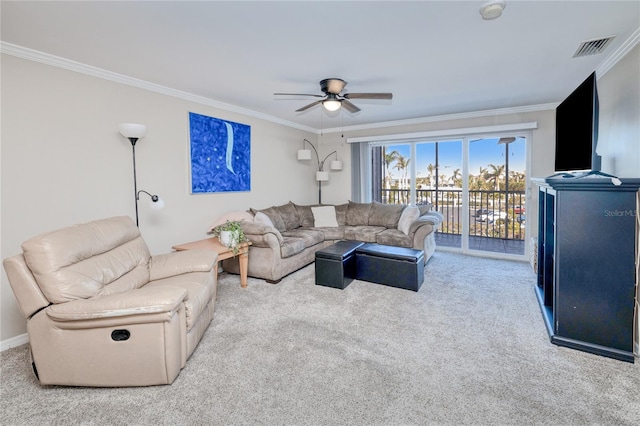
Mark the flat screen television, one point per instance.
(577, 130)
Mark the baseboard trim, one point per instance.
(14, 341)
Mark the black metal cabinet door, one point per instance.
(594, 274)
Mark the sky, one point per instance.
(482, 152)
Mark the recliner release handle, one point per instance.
(120, 335)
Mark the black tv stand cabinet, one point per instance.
(586, 284)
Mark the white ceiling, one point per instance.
(437, 57)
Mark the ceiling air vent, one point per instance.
(593, 47)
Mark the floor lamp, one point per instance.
(321, 174)
(133, 132)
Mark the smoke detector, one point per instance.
(492, 9)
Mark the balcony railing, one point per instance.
(492, 214)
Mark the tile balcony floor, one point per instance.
(496, 245)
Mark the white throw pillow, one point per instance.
(408, 216)
(324, 217)
(261, 217)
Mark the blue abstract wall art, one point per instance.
(220, 155)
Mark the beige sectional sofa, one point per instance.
(285, 238)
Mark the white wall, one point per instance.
(64, 162)
(619, 133)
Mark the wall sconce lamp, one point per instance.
(133, 132)
(321, 175)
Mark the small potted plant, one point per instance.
(230, 235)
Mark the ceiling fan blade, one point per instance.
(368, 95)
(306, 107)
(349, 106)
(298, 94)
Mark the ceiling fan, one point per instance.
(333, 99)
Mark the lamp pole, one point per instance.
(135, 181)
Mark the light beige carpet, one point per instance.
(469, 348)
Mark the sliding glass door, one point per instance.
(478, 184)
(439, 183)
(496, 182)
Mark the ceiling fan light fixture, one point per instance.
(331, 104)
(492, 9)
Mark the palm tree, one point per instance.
(516, 181)
(388, 159)
(457, 178)
(495, 174)
(431, 169)
(402, 164)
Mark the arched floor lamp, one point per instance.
(321, 174)
(133, 132)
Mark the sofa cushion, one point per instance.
(358, 214)
(394, 237)
(386, 215)
(201, 289)
(80, 261)
(310, 236)
(324, 216)
(333, 233)
(305, 215)
(291, 246)
(409, 215)
(362, 233)
(275, 217)
(341, 213)
(289, 215)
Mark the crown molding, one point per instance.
(56, 61)
(447, 117)
(620, 53)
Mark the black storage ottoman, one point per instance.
(336, 264)
(393, 266)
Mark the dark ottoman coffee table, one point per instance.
(393, 266)
(336, 264)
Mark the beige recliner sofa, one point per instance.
(101, 311)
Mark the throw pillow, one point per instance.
(324, 217)
(409, 215)
(263, 218)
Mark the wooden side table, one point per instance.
(224, 252)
